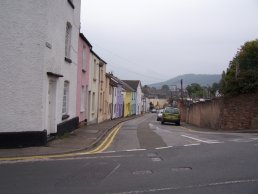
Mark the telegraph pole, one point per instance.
(181, 89)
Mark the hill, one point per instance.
(202, 79)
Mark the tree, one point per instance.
(241, 75)
(214, 88)
(151, 106)
(165, 88)
(146, 89)
(195, 90)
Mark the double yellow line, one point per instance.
(101, 148)
(107, 142)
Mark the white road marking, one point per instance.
(242, 140)
(193, 144)
(200, 140)
(152, 126)
(132, 150)
(160, 148)
(190, 186)
(163, 130)
(114, 170)
(156, 159)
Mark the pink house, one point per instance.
(83, 78)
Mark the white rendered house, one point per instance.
(38, 69)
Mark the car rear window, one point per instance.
(172, 110)
(176, 111)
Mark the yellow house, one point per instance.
(128, 95)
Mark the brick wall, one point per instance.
(239, 112)
(234, 113)
(204, 114)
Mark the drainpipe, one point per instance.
(98, 108)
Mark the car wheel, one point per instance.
(178, 123)
(162, 122)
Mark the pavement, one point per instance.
(84, 138)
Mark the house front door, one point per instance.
(51, 103)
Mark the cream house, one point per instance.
(96, 94)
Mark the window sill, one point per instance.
(54, 74)
(68, 60)
(65, 117)
(71, 3)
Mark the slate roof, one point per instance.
(85, 40)
(116, 79)
(127, 87)
(133, 83)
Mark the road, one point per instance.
(146, 157)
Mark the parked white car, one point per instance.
(153, 110)
(159, 115)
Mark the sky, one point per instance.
(156, 40)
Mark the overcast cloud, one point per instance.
(155, 40)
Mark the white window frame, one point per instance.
(82, 99)
(68, 38)
(93, 102)
(84, 58)
(95, 70)
(65, 98)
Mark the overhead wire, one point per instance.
(129, 62)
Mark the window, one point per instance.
(115, 109)
(100, 106)
(68, 36)
(93, 102)
(65, 98)
(84, 59)
(101, 74)
(83, 99)
(95, 71)
(110, 90)
(110, 109)
(103, 101)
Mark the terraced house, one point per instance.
(128, 93)
(96, 88)
(83, 79)
(39, 44)
(51, 79)
(136, 95)
(115, 96)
